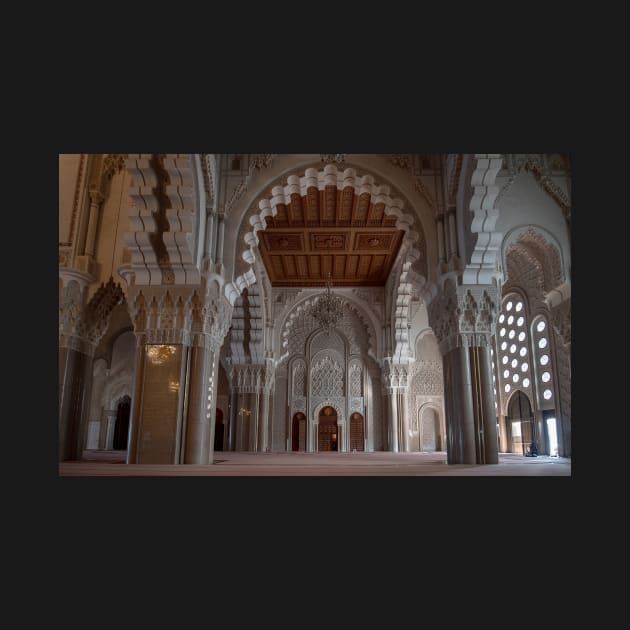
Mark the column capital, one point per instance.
(465, 315)
(68, 274)
(96, 196)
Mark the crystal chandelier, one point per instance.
(328, 158)
(328, 309)
(158, 354)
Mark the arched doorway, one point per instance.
(357, 432)
(219, 430)
(429, 430)
(327, 430)
(298, 432)
(520, 423)
(121, 428)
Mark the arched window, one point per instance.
(543, 368)
(513, 351)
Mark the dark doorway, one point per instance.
(357, 432)
(219, 430)
(121, 428)
(327, 431)
(520, 424)
(298, 432)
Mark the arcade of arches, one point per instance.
(188, 285)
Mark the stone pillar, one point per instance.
(503, 446)
(393, 419)
(197, 447)
(458, 401)
(231, 427)
(110, 428)
(263, 432)
(158, 421)
(179, 330)
(489, 423)
(210, 224)
(80, 331)
(254, 421)
(102, 434)
(96, 198)
(135, 414)
(539, 432)
(469, 455)
(452, 233)
(212, 397)
(75, 371)
(441, 244)
(343, 441)
(404, 420)
(220, 240)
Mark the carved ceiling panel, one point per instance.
(329, 231)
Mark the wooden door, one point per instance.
(357, 432)
(327, 434)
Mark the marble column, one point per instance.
(503, 445)
(210, 223)
(263, 423)
(96, 197)
(156, 436)
(75, 376)
(108, 423)
(393, 419)
(539, 432)
(489, 423)
(441, 244)
(458, 400)
(197, 446)
(404, 420)
(467, 409)
(102, 434)
(110, 429)
(136, 406)
(231, 442)
(212, 398)
(452, 233)
(254, 425)
(220, 240)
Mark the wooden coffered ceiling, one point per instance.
(329, 231)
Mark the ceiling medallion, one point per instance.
(328, 309)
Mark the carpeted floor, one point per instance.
(230, 464)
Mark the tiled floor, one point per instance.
(322, 464)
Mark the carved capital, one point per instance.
(96, 196)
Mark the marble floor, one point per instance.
(230, 464)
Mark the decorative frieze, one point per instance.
(394, 376)
(249, 379)
(179, 315)
(465, 315)
(83, 328)
(112, 164)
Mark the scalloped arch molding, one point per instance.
(328, 176)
